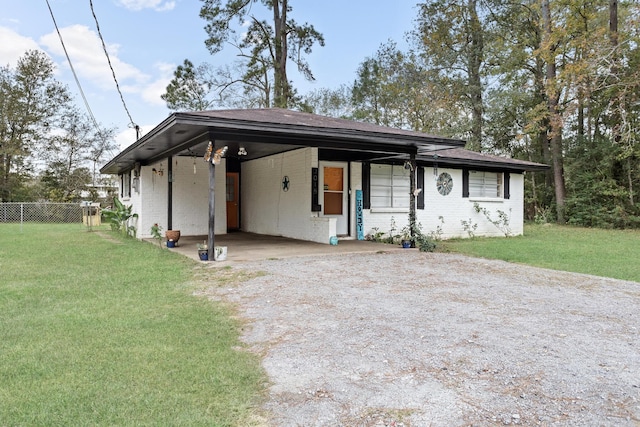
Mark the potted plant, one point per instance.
(405, 239)
(172, 235)
(203, 251)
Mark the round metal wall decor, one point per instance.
(444, 184)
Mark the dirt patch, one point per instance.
(415, 339)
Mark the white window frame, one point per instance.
(125, 191)
(484, 184)
(389, 186)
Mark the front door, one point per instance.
(333, 182)
(233, 197)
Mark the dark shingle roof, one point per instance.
(468, 158)
(308, 120)
(272, 130)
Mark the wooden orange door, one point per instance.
(333, 181)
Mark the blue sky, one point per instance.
(147, 39)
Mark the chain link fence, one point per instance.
(16, 212)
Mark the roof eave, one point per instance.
(112, 166)
(485, 164)
(293, 129)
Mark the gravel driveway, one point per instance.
(416, 339)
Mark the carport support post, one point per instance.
(170, 193)
(412, 199)
(212, 212)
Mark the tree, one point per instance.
(451, 39)
(548, 52)
(61, 184)
(233, 86)
(270, 46)
(30, 101)
(71, 146)
(369, 93)
(327, 102)
(190, 88)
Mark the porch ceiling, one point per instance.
(266, 132)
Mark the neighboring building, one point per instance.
(310, 177)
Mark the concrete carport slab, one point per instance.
(243, 247)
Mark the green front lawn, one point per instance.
(101, 330)
(608, 253)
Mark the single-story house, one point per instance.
(310, 177)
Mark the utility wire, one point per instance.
(75, 76)
(73, 71)
(104, 47)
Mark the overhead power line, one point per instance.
(75, 76)
(113, 73)
(73, 71)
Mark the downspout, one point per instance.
(170, 194)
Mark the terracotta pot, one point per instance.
(172, 235)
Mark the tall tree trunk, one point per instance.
(5, 193)
(280, 81)
(613, 22)
(617, 101)
(555, 122)
(475, 57)
(580, 114)
(620, 116)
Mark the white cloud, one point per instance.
(87, 56)
(158, 5)
(13, 46)
(151, 93)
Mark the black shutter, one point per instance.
(366, 185)
(507, 185)
(420, 185)
(465, 183)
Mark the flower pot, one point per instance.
(406, 244)
(203, 254)
(172, 235)
(171, 244)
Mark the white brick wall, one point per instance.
(190, 197)
(267, 209)
(454, 208)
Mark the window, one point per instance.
(125, 185)
(390, 186)
(487, 184)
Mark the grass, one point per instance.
(98, 330)
(103, 331)
(607, 253)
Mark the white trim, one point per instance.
(487, 199)
(389, 210)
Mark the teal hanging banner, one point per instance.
(359, 218)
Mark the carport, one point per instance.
(249, 135)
